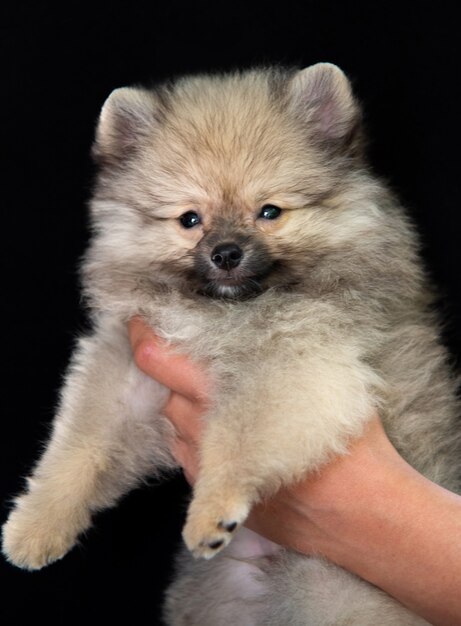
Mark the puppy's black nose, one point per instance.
(227, 255)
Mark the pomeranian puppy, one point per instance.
(237, 215)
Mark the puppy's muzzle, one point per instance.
(231, 264)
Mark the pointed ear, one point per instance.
(128, 115)
(322, 95)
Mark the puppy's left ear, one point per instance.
(322, 96)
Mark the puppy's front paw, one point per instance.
(210, 527)
(35, 538)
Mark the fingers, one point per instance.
(188, 384)
(185, 415)
(187, 458)
(156, 358)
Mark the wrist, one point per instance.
(370, 518)
(356, 492)
(400, 532)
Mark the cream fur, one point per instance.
(339, 322)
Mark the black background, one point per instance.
(59, 63)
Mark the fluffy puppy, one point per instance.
(237, 215)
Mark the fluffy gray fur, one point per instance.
(325, 316)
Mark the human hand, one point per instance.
(188, 385)
(367, 510)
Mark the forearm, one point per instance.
(374, 515)
(403, 534)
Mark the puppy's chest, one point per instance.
(218, 330)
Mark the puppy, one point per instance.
(237, 215)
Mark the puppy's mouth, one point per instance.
(233, 287)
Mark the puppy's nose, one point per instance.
(227, 255)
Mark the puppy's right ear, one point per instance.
(126, 119)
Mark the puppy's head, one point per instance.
(222, 185)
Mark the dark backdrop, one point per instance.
(59, 64)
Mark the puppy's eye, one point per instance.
(270, 212)
(190, 219)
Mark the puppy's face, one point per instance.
(231, 257)
(221, 186)
(234, 252)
